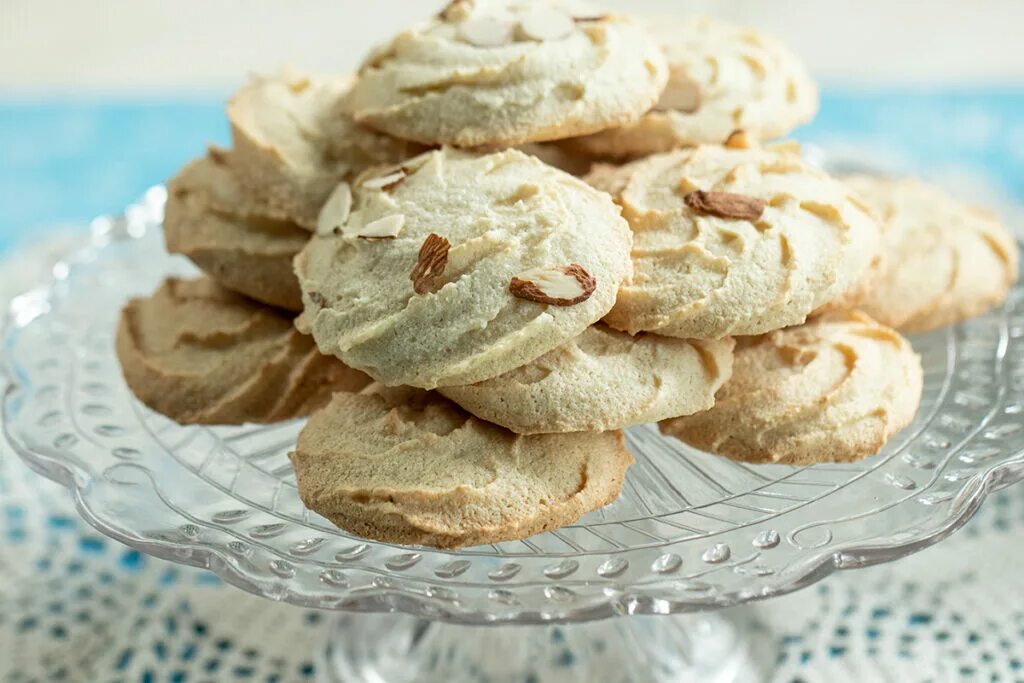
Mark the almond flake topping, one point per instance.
(546, 24)
(486, 31)
(726, 204)
(455, 10)
(561, 286)
(430, 263)
(382, 228)
(681, 94)
(335, 210)
(592, 17)
(739, 139)
(385, 182)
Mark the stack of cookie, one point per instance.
(476, 324)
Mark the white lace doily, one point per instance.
(75, 606)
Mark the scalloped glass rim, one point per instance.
(691, 531)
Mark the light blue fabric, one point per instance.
(67, 160)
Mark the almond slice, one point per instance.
(546, 24)
(681, 94)
(430, 263)
(335, 210)
(561, 286)
(456, 10)
(739, 139)
(584, 19)
(385, 182)
(726, 204)
(486, 31)
(382, 228)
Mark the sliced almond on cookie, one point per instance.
(726, 204)
(430, 263)
(456, 10)
(383, 228)
(682, 94)
(546, 24)
(739, 139)
(486, 31)
(385, 182)
(561, 286)
(335, 210)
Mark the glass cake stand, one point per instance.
(691, 532)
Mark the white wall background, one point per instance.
(211, 44)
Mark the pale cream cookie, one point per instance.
(293, 142)
(504, 72)
(408, 466)
(201, 354)
(722, 78)
(833, 390)
(734, 241)
(602, 380)
(454, 268)
(943, 261)
(209, 217)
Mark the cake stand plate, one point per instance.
(691, 532)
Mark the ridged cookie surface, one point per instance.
(209, 218)
(497, 72)
(201, 354)
(602, 380)
(734, 241)
(943, 261)
(833, 390)
(293, 142)
(722, 78)
(408, 466)
(457, 268)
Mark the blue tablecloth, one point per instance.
(66, 160)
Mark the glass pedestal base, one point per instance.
(704, 648)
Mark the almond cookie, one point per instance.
(408, 466)
(602, 380)
(734, 241)
(943, 261)
(454, 268)
(209, 218)
(833, 390)
(722, 78)
(201, 354)
(293, 143)
(500, 73)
